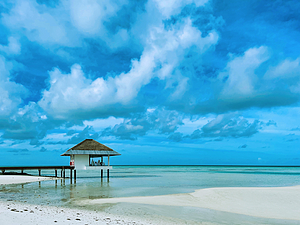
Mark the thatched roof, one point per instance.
(90, 147)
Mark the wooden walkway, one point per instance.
(39, 168)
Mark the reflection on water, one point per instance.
(147, 180)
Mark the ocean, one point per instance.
(127, 181)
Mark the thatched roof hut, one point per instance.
(92, 148)
(84, 155)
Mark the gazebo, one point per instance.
(89, 154)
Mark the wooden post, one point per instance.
(101, 173)
(71, 175)
(39, 172)
(22, 171)
(55, 172)
(61, 172)
(74, 175)
(108, 160)
(64, 173)
(107, 174)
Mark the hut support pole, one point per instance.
(107, 174)
(61, 173)
(3, 171)
(101, 173)
(55, 172)
(108, 161)
(22, 171)
(39, 172)
(64, 173)
(71, 171)
(74, 175)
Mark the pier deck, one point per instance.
(40, 168)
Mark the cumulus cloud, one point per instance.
(88, 16)
(240, 76)
(244, 83)
(227, 125)
(72, 97)
(11, 93)
(177, 137)
(243, 146)
(66, 23)
(271, 123)
(43, 149)
(164, 121)
(87, 132)
(169, 58)
(39, 23)
(173, 7)
(164, 50)
(295, 129)
(28, 123)
(13, 46)
(286, 72)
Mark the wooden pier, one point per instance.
(40, 168)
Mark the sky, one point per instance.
(174, 82)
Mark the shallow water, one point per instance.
(128, 181)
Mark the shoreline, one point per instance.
(22, 179)
(255, 204)
(265, 202)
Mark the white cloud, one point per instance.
(11, 93)
(103, 123)
(173, 7)
(164, 121)
(88, 15)
(12, 48)
(73, 92)
(287, 72)
(228, 125)
(67, 24)
(284, 70)
(27, 123)
(39, 23)
(240, 74)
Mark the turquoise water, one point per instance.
(128, 181)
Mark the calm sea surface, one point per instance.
(128, 181)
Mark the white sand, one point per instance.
(21, 179)
(268, 202)
(12, 213)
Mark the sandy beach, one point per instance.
(21, 179)
(268, 202)
(16, 213)
(274, 203)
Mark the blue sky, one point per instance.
(161, 82)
